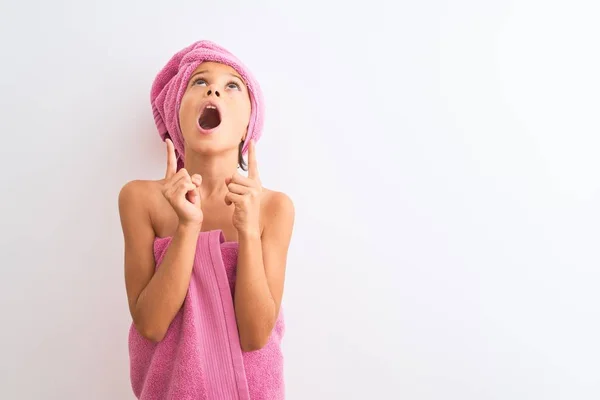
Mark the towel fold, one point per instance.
(200, 356)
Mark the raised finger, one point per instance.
(171, 160)
(252, 164)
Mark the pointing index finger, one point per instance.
(171, 160)
(252, 164)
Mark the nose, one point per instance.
(216, 92)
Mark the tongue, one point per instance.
(209, 119)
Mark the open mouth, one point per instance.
(210, 117)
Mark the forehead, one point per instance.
(215, 67)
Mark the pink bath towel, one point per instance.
(200, 357)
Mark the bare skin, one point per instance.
(208, 194)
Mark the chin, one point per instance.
(213, 144)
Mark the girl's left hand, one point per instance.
(245, 194)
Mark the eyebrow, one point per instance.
(205, 71)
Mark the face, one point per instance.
(215, 109)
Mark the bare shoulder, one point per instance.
(140, 192)
(141, 199)
(140, 202)
(277, 208)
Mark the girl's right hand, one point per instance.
(182, 191)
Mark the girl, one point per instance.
(208, 110)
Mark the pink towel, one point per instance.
(170, 83)
(200, 357)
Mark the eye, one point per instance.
(199, 80)
(235, 85)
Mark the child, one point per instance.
(189, 339)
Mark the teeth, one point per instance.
(211, 106)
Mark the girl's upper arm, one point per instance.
(138, 235)
(276, 239)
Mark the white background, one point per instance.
(442, 157)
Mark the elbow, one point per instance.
(154, 337)
(256, 336)
(148, 327)
(150, 333)
(255, 341)
(253, 345)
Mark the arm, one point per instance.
(154, 298)
(261, 273)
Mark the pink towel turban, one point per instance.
(170, 84)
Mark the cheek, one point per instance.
(186, 110)
(244, 112)
(242, 117)
(247, 109)
(240, 111)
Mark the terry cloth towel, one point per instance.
(169, 87)
(200, 357)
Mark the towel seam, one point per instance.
(218, 261)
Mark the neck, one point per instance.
(213, 168)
